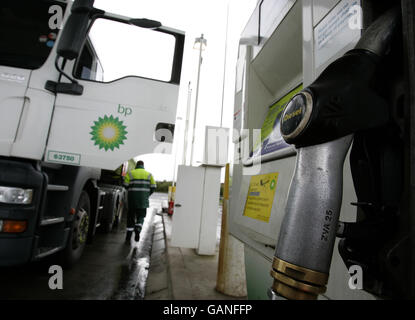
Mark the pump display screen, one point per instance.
(28, 31)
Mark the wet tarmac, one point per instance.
(108, 269)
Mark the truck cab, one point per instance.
(72, 106)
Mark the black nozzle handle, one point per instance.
(377, 38)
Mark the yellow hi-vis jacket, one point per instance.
(140, 185)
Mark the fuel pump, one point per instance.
(343, 106)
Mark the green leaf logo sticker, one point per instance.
(108, 133)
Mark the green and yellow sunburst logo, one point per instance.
(108, 133)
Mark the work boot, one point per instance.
(137, 235)
(128, 237)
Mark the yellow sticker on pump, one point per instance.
(260, 196)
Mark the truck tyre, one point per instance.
(79, 232)
(110, 211)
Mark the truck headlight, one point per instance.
(16, 195)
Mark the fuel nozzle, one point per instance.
(320, 121)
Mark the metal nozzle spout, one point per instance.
(297, 283)
(305, 246)
(377, 38)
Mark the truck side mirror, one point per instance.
(73, 36)
(75, 30)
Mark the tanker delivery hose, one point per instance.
(320, 121)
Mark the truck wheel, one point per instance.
(79, 232)
(110, 210)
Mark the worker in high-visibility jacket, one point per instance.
(140, 185)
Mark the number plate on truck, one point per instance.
(64, 157)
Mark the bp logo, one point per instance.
(108, 133)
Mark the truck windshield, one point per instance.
(28, 31)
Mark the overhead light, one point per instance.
(200, 43)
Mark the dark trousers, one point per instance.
(135, 218)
